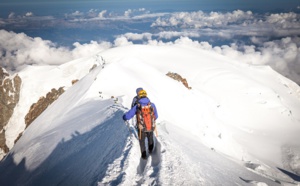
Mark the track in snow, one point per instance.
(178, 159)
(166, 165)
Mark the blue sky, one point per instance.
(183, 4)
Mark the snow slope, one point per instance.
(238, 125)
(37, 81)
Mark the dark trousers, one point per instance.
(149, 136)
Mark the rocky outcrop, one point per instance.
(37, 108)
(93, 67)
(74, 81)
(178, 78)
(9, 97)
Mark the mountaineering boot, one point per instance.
(150, 148)
(144, 155)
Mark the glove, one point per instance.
(124, 117)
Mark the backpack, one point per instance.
(145, 116)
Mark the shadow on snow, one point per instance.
(82, 160)
(290, 174)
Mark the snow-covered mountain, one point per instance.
(238, 124)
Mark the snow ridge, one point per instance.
(238, 125)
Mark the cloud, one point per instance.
(147, 15)
(29, 14)
(27, 20)
(11, 15)
(102, 13)
(146, 36)
(175, 34)
(127, 13)
(137, 13)
(88, 49)
(2, 22)
(19, 50)
(200, 19)
(135, 36)
(76, 13)
(122, 41)
(231, 24)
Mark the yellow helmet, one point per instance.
(142, 93)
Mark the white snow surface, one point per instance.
(238, 125)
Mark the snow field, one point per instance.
(238, 125)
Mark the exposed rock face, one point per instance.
(74, 81)
(9, 97)
(93, 67)
(178, 78)
(37, 108)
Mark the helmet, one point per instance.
(138, 89)
(142, 93)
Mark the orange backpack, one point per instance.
(145, 117)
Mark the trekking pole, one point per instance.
(140, 134)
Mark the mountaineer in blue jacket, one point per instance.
(146, 114)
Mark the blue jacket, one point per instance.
(143, 101)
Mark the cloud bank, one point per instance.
(19, 50)
(234, 23)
